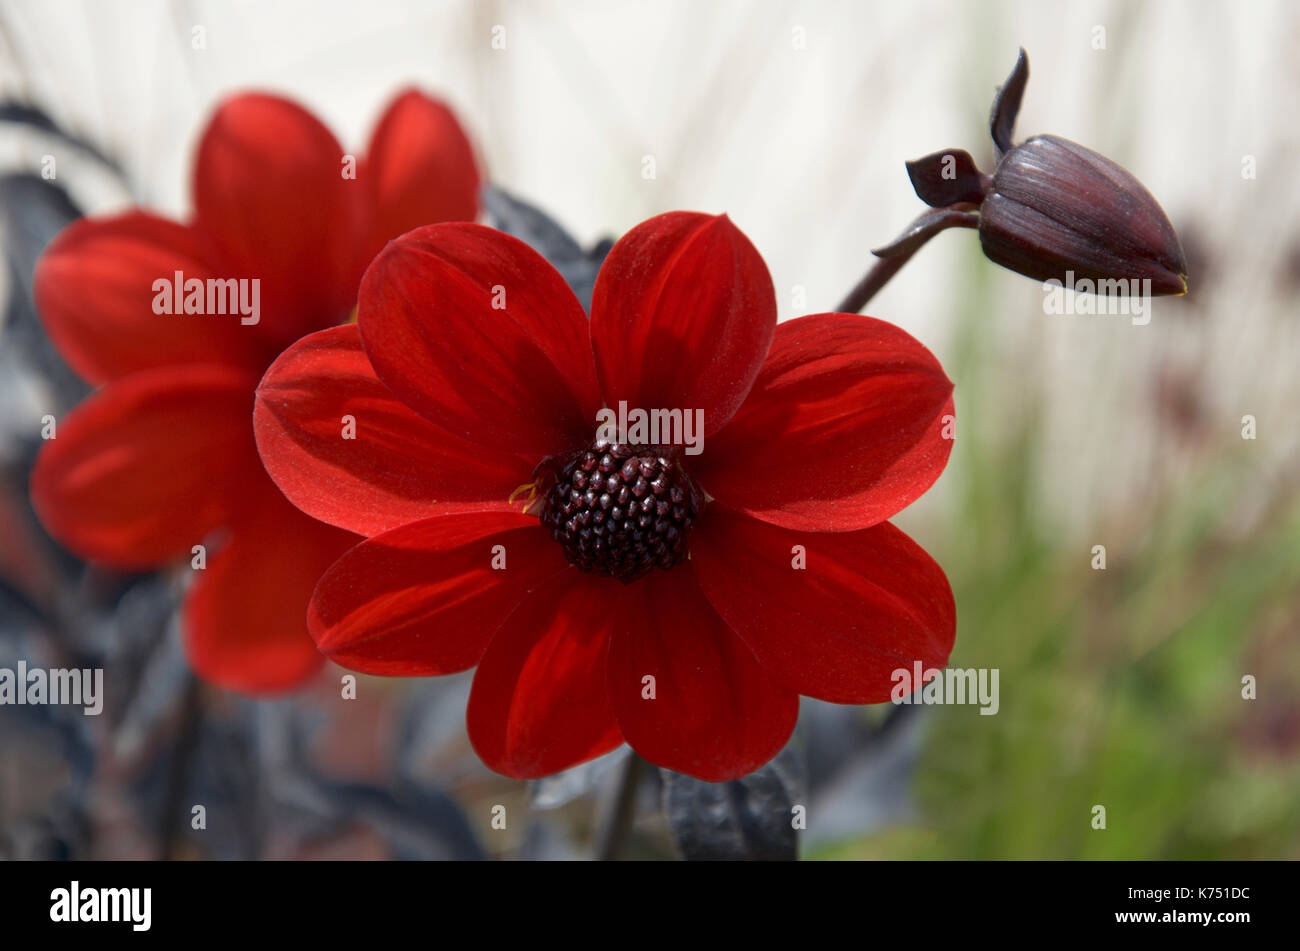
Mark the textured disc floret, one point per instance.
(622, 509)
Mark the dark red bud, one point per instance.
(1051, 210)
(1056, 207)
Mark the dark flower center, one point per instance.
(621, 509)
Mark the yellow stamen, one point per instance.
(531, 489)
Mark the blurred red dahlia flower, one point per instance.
(162, 455)
(613, 591)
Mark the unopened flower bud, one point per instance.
(1056, 207)
(1053, 210)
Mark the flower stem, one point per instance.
(891, 258)
(875, 278)
(180, 774)
(617, 824)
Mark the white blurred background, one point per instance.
(795, 118)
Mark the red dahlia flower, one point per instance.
(635, 592)
(162, 455)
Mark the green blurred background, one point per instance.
(1120, 687)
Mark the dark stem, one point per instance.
(892, 257)
(617, 822)
(876, 278)
(178, 777)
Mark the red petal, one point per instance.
(866, 603)
(420, 168)
(538, 704)
(399, 468)
(271, 200)
(682, 316)
(424, 599)
(94, 290)
(245, 618)
(843, 428)
(716, 713)
(521, 376)
(146, 467)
